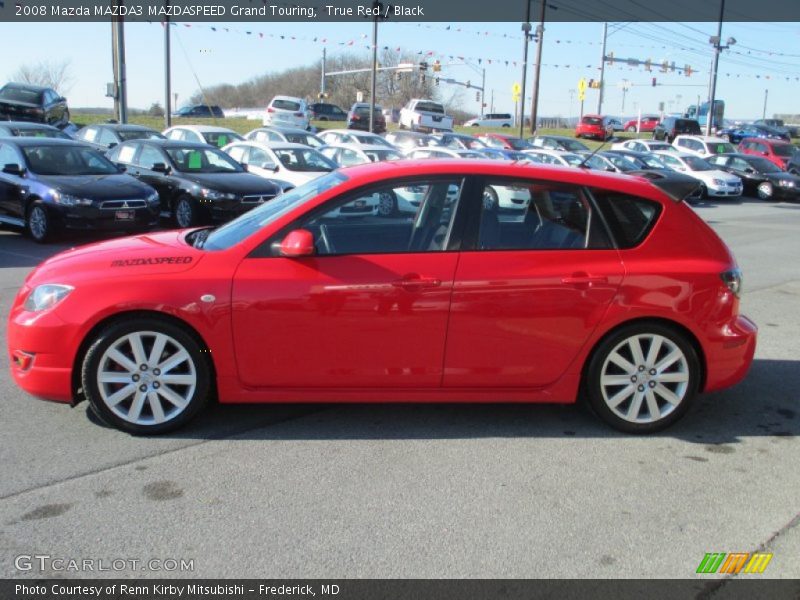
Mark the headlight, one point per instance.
(68, 200)
(785, 183)
(733, 280)
(215, 195)
(46, 296)
(153, 198)
(717, 182)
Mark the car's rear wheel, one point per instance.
(185, 212)
(145, 377)
(765, 190)
(631, 129)
(490, 199)
(642, 378)
(39, 224)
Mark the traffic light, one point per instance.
(398, 76)
(436, 81)
(610, 58)
(437, 66)
(664, 66)
(654, 82)
(591, 83)
(468, 84)
(648, 65)
(477, 96)
(423, 66)
(687, 70)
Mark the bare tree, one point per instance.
(52, 74)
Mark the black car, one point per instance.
(358, 118)
(24, 102)
(108, 135)
(672, 126)
(29, 129)
(738, 133)
(200, 111)
(197, 183)
(50, 184)
(759, 176)
(557, 142)
(322, 111)
(650, 166)
(793, 166)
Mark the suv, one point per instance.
(200, 111)
(671, 127)
(321, 111)
(703, 146)
(287, 111)
(491, 120)
(358, 118)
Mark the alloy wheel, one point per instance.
(37, 223)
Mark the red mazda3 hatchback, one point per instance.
(491, 282)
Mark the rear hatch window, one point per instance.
(286, 105)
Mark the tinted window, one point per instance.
(630, 218)
(286, 105)
(220, 139)
(425, 229)
(67, 160)
(9, 156)
(537, 216)
(297, 159)
(201, 160)
(138, 134)
(15, 94)
(592, 121)
(148, 157)
(430, 107)
(784, 150)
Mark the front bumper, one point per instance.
(729, 353)
(727, 190)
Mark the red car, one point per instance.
(777, 152)
(596, 285)
(593, 126)
(647, 124)
(505, 142)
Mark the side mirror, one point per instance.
(121, 167)
(160, 168)
(14, 169)
(297, 243)
(112, 145)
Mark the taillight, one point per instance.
(732, 278)
(356, 118)
(270, 110)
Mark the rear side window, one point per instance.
(630, 218)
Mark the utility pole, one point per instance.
(526, 31)
(373, 79)
(602, 71)
(322, 79)
(118, 39)
(717, 50)
(483, 90)
(167, 72)
(535, 92)
(764, 112)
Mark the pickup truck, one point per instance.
(424, 115)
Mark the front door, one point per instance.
(369, 309)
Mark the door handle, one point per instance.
(584, 279)
(414, 283)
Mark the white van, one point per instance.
(491, 120)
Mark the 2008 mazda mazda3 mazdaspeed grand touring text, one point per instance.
(591, 285)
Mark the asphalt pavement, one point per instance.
(430, 491)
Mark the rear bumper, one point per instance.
(729, 353)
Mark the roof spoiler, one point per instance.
(679, 191)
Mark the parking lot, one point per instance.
(425, 491)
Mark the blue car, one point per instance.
(738, 133)
(47, 184)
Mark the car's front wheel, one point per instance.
(765, 190)
(631, 129)
(642, 378)
(147, 376)
(185, 212)
(39, 224)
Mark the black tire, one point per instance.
(185, 212)
(66, 117)
(39, 224)
(684, 392)
(113, 334)
(703, 191)
(765, 191)
(490, 200)
(387, 204)
(506, 125)
(631, 129)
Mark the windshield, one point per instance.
(786, 150)
(623, 164)
(221, 138)
(658, 147)
(15, 94)
(202, 160)
(762, 165)
(381, 155)
(721, 148)
(306, 139)
(635, 160)
(653, 163)
(303, 159)
(697, 164)
(67, 160)
(518, 143)
(373, 139)
(139, 134)
(572, 159)
(572, 145)
(43, 133)
(247, 224)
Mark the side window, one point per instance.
(106, 137)
(175, 134)
(350, 157)
(9, 156)
(149, 156)
(739, 164)
(538, 216)
(630, 218)
(258, 158)
(237, 153)
(426, 209)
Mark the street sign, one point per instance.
(516, 89)
(582, 85)
(404, 68)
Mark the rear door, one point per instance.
(531, 286)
